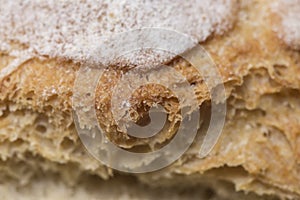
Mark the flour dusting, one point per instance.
(73, 29)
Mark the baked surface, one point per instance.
(259, 149)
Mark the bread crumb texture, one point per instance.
(42, 47)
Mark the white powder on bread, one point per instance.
(72, 29)
(289, 27)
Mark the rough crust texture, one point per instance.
(259, 149)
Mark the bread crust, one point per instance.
(259, 149)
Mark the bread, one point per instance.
(254, 44)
